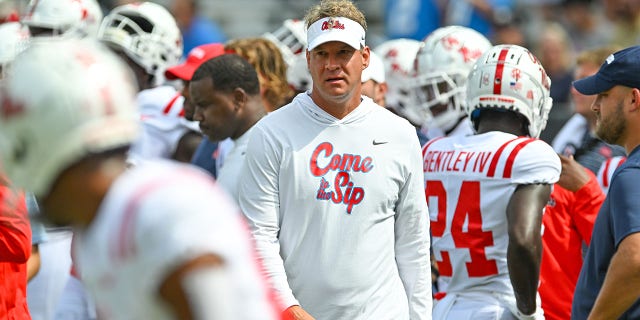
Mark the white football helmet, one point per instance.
(147, 33)
(9, 11)
(63, 18)
(291, 38)
(298, 75)
(398, 56)
(14, 38)
(509, 77)
(57, 108)
(441, 68)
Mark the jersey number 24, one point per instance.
(473, 238)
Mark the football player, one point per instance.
(147, 37)
(159, 241)
(439, 84)
(486, 192)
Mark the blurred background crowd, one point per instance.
(556, 31)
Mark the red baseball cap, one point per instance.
(196, 57)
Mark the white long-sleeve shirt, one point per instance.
(233, 163)
(338, 211)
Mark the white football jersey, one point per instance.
(469, 182)
(233, 164)
(153, 219)
(163, 124)
(224, 147)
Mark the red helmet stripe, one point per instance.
(497, 78)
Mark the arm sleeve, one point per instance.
(187, 219)
(624, 195)
(259, 201)
(412, 239)
(536, 163)
(588, 201)
(186, 231)
(15, 232)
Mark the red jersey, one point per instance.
(567, 224)
(15, 249)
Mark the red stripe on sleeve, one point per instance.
(497, 78)
(496, 158)
(605, 173)
(167, 109)
(508, 167)
(621, 162)
(126, 243)
(125, 246)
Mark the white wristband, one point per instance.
(522, 316)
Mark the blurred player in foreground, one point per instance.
(157, 241)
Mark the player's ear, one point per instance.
(239, 98)
(635, 99)
(366, 54)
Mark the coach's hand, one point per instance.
(296, 313)
(574, 176)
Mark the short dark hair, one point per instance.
(267, 59)
(228, 72)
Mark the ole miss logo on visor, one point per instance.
(332, 24)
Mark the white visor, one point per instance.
(335, 29)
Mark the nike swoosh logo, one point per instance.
(375, 143)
